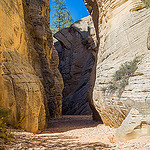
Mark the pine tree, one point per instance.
(61, 17)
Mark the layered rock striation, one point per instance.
(28, 72)
(39, 12)
(122, 28)
(77, 46)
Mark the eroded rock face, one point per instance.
(58, 84)
(27, 79)
(122, 28)
(148, 40)
(21, 91)
(76, 47)
(39, 13)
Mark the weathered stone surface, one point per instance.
(76, 47)
(58, 83)
(21, 91)
(148, 40)
(27, 80)
(43, 43)
(122, 28)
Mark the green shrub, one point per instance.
(121, 77)
(4, 112)
(147, 3)
(3, 120)
(126, 70)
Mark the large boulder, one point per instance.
(122, 28)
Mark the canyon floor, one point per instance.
(73, 133)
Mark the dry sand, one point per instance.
(74, 133)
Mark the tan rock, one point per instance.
(43, 43)
(22, 92)
(122, 31)
(148, 40)
(58, 82)
(26, 79)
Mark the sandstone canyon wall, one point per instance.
(28, 70)
(76, 46)
(122, 29)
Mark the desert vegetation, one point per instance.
(147, 3)
(3, 122)
(121, 77)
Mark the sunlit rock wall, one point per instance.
(26, 76)
(122, 28)
(43, 43)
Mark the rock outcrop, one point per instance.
(57, 89)
(148, 40)
(28, 75)
(122, 28)
(76, 48)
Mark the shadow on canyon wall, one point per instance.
(77, 50)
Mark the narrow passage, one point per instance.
(70, 122)
(72, 133)
(65, 133)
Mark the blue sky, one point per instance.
(77, 8)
